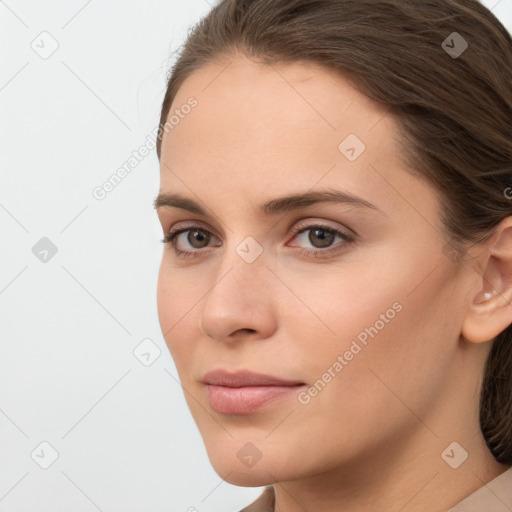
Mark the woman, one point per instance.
(335, 291)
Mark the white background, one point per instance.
(68, 327)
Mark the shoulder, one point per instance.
(495, 496)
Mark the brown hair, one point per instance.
(454, 110)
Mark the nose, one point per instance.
(239, 301)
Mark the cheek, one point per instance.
(397, 344)
(389, 317)
(388, 380)
(176, 300)
(165, 306)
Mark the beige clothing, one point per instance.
(496, 496)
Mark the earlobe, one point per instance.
(487, 319)
(490, 310)
(483, 297)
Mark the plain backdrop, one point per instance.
(92, 417)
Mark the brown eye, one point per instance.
(321, 237)
(189, 241)
(320, 240)
(198, 238)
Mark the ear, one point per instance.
(490, 311)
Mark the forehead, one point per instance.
(259, 128)
(302, 98)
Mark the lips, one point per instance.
(245, 378)
(244, 392)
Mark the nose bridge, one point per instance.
(244, 254)
(239, 274)
(237, 298)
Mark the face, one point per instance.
(346, 300)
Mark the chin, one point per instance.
(249, 478)
(241, 463)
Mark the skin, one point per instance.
(372, 438)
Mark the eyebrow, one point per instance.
(274, 206)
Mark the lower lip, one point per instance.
(246, 400)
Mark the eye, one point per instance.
(321, 238)
(194, 237)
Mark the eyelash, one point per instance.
(297, 230)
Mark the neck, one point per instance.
(399, 478)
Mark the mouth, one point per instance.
(245, 392)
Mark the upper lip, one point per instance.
(245, 378)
